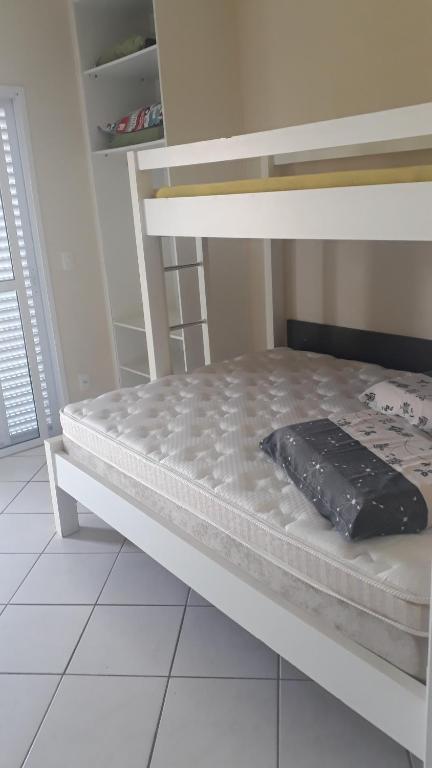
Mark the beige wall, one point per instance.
(200, 84)
(306, 60)
(36, 53)
(198, 68)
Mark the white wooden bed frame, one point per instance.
(395, 702)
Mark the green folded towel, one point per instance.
(137, 137)
(125, 48)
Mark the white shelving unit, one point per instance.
(110, 91)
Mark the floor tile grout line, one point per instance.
(38, 470)
(39, 555)
(62, 675)
(8, 604)
(56, 554)
(91, 613)
(161, 677)
(26, 483)
(103, 605)
(46, 514)
(174, 677)
(42, 721)
(165, 694)
(15, 497)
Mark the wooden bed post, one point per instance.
(64, 506)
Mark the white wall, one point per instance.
(36, 53)
(307, 60)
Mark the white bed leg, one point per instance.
(64, 506)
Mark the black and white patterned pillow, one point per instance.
(409, 396)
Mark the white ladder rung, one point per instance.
(180, 326)
(178, 267)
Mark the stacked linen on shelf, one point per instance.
(141, 125)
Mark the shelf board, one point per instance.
(120, 150)
(139, 367)
(136, 323)
(142, 64)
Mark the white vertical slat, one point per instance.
(152, 277)
(274, 280)
(203, 279)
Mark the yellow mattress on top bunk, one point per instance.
(404, 174)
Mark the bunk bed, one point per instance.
(174, 465)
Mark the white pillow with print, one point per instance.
(406, 396)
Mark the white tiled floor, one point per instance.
(33, 499)
(107, 660)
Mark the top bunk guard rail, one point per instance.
(392, 130)
(375, 209)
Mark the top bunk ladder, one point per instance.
(192, 331)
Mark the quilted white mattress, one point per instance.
(195, 440)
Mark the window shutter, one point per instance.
(26, 399)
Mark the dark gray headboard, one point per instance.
(404, 353)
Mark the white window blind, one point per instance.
(26, 386)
